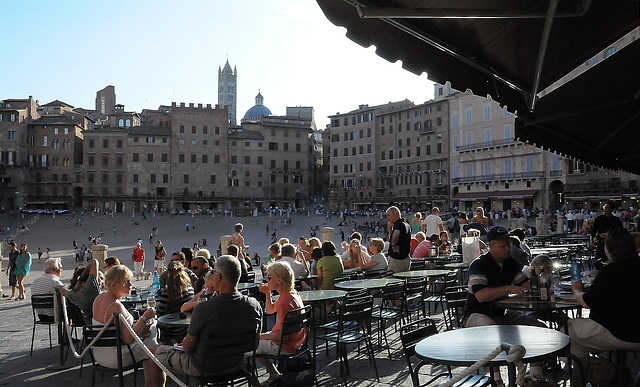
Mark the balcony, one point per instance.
(498, 177)
(486, 145)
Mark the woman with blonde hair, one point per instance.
(117, 285)
(480, 218)
(281, 279)
(355, 256)
(177, 292)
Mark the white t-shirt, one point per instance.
(432, 222)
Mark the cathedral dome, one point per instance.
(259, 110)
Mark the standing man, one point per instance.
(433, 223)
(11, 268)
(601, 226)
(214, 318)
(400, 241)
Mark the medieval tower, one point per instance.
(227, 89)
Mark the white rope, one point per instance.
(106, 325)
(515, 355)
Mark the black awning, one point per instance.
(493, 48)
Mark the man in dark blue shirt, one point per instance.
(400, 241)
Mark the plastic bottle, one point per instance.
(534, 286)
(543, 283)
(575, 270)
(156, 281)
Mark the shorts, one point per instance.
(158, 263)
(265, 347)
(511, 317)
(399, 265)
(177, 360)
(138, 267)
(13, 280)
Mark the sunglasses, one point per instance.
(127, 283)
(195, 267)
(268, 277)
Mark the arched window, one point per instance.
(127, 123)
(121, 122)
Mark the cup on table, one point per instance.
(151, 302)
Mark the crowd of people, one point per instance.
(193, 280)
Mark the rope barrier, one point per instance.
(515, 353)
(106, 325)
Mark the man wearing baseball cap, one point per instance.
(491, 276)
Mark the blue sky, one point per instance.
(156, 52)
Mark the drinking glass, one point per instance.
(151, 302)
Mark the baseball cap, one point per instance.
(497, 233)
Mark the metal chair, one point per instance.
(248, 277)
(42, 302)
(391, 308)
(358, 309)
(456, 297)
(414, 295)
(296, 320)
(410, 335)
(437, 293)
(111, 337)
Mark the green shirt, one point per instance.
(331, 267)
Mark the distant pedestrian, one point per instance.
(187, 225)
(114, 229)
(39, 254)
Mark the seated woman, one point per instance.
(110, 262)
(177, 292)
(118, 284)
(378, 260)
(281, 279)
(355, 256)
(445, 244)
(275, 252)
(612, 300)
(329, 266)
(423, 250)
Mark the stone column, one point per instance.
(539, 228)
(326, 234)
(225, 241)
(99, 252)
(560, 229)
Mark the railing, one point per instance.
(501, 176)
(486, 144)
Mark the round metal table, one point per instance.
(175, 319)
(368, 283)
(421, 273)
(321, 295)
(247, 285)
(464, 347)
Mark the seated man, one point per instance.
(85, 289)
(200, 266)
(300, 269)
(491, 277)
(612, 300)
(46, 284)
(228, 313)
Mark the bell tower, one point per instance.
(227, 90)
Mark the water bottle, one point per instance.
(543, 284)
(575, 270)
(534, 285)
(156, 281)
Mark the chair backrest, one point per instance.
(357, 293)
(248, 277)
(44, 301)
(393, 292)
(416, 285)
(296, 320)
(379, 273)
(456, 297)
(223, 353)
(109, 337)
(412, 333)
(356, 309)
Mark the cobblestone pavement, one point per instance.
(44, 368)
